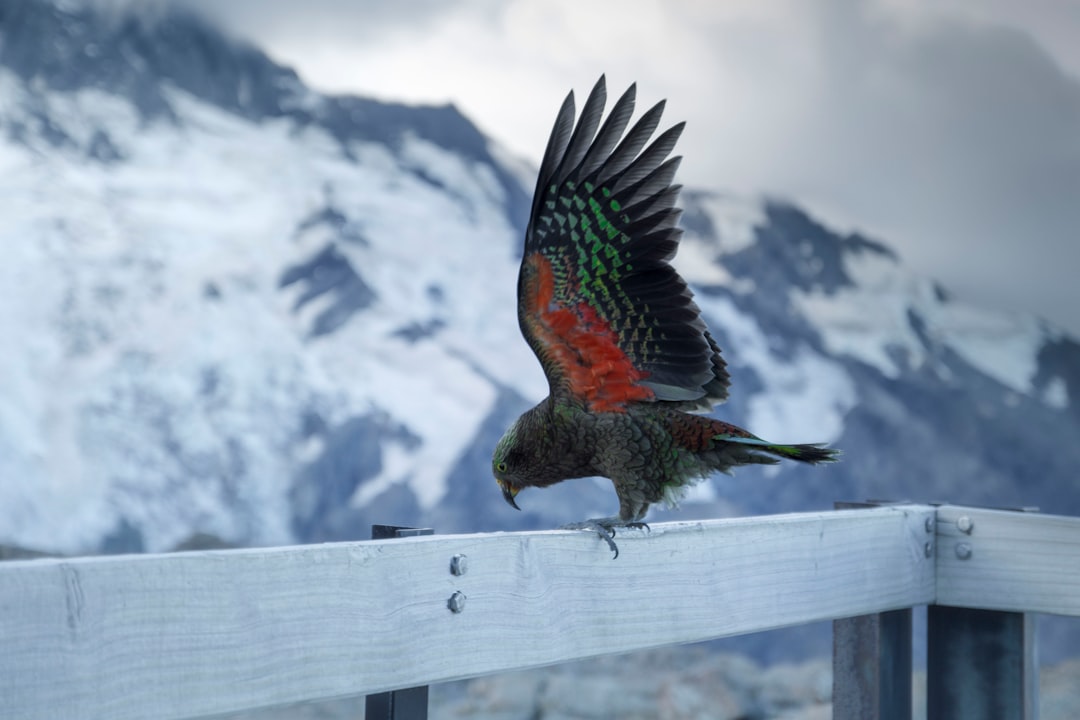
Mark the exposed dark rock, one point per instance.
(329, 272)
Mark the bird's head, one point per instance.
(523, 456)
(505, 464)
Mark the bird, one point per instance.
(630, 364)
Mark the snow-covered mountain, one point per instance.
(235, 306)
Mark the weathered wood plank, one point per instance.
(1003, 560)
(194, 634)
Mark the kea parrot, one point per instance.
(628, 359)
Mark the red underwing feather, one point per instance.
(578, 348)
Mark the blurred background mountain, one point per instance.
(244, 311)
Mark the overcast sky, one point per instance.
(948, 128)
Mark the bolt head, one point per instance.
(459, 564)
(928, 549)
(963, 551)
(456, 603)
(929, 525)
(964, 524)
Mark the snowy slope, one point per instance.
(235, 306)
(168, 375)
(872, 321)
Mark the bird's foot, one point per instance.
(605, 528)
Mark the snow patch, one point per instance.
(804, 400)
(523, 171)
(1002, 345)
(869, 321)
(1056, 394)
(397, 462)
(697, 262)
(736, 219)
(873, 322)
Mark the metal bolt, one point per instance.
(456, 603)
(929, 525)
(963, 551)
(928, 549)
(459, 564)
(964, 524)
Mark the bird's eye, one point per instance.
(500, 467)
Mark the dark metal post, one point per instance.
(980, 664)
(385, 532)
(410, 703)
(872, 662)
(872, 667)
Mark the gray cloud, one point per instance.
(951, 133)
(323, 21)
(961, 143)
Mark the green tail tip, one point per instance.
(810, 453)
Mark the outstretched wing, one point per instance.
(600, 305)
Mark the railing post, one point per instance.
(872, 661)
(408, 703)
(980, 664)
(872, 666)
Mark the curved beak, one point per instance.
(509, 493)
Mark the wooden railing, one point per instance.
(200, 633)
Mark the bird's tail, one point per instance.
(812, 453)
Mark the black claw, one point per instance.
(605, 528)
(608, 535)
(612, 545)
